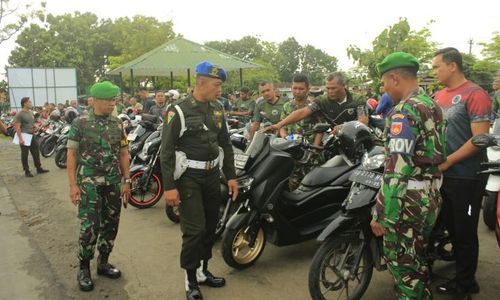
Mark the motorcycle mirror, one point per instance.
(484, 140)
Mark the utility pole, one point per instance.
(470, 46)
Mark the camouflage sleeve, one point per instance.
(225, 143)
(74, 135)
(170, 136)
(402, 132)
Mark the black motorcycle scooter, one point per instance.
(342, 266)
(269, 211)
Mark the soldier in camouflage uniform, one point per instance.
(409, 200)
(300, 90)
(97, 162)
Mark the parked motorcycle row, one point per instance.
(333, 203)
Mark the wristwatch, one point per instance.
(128, 180)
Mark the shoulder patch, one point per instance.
(401, 137)
(170, 116)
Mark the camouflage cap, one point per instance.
(207, 69)
(397, 60)
(105, 90)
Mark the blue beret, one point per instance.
(207, 69)
(105, 90)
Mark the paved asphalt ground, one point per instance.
(38, 238)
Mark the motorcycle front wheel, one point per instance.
(142, 196)
(60, 157)
(48, 146)
(236, 249)
(172, 213)
(335, 273)
(490, 209)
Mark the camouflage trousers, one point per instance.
(406, 241)
(301, 168)
(99, 214)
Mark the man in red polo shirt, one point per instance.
(467, 108)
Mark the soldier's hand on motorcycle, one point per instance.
(232, 185)
(172, 197)
(273, 128)
(74, 194)
(377, 229)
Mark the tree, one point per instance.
(69, 40)
(398, 37)
(491, 52)
(247, 48)
(134, 37)
(90, 45)
(288, 59)
(315, 63)
(9, 27)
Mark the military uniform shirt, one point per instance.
(273, 111)
(98, 140)
(303, 125)
(206, 130)
(244, 106)
(415, 146)
(332, 109)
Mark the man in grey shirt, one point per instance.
(24, 124)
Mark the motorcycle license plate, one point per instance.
(368, 178)
(131, 137)
(240, 160)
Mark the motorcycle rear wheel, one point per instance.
(331, 273)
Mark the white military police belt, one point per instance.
(203, 165)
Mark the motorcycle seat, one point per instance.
(294, 198)
(323, 176)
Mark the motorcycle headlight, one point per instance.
(245, 183)
(372, 162)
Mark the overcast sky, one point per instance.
(329, 25)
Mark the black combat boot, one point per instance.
(105, 268)
(205, 277)
(192, 289)
(84, 280)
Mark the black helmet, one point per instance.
(70, 115)
(354, 140)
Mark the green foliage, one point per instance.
(134, 37)
(12, 22)
(491, 50)
(90, 45)
(478, 71)
(281, 60)
(398, 37)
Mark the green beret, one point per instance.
(105, 90)
(397, 60)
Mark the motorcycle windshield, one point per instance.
(257, 144)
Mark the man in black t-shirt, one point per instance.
(337, 106)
